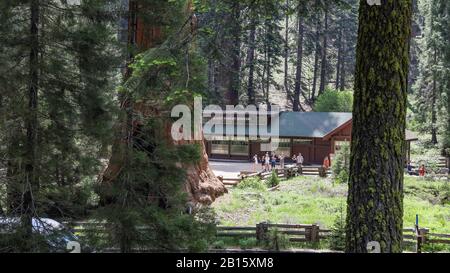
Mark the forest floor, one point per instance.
(309, 200)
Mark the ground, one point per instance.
(309, 200)
(230, 169)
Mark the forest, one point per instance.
(86, 93)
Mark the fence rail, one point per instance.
(285, 173)
(311, 233)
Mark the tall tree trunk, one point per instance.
(339, 58)
(251, 63)
(375, 199)
(201, 186)
(433, 104)
(298, 76)
(343, 72)
(31, 124)
(324, 68)
(229, 67)
(286, 54)
(316, 58)
(268, 63)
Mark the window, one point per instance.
(239, 148)
(219, 147)
(284, 147)
(302, 141)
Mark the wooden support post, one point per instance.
(308, 233)
(315, 233)
(262, 230)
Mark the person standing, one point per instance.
(267, 161)
(255, 163)
(300, 160)
(422, 170)
(273, 162)
(282, 160)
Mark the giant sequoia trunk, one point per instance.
(202, 186)
(375, 200)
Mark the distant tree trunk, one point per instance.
(251, 62)
(268, 63)
(343, 72)
(298, 76)
(339, 58)
(286, 54)
(433, 105)
(229, 67)
(316, 58)
(31, 183)
(375, 198)
(324, 68)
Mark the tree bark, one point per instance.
(31, 183)
(298, 75)
(324, 68)
(251, 62)
(286, 54)
(343, 72)
(230, 63)
(201, 185)
(316, 59)
(433, 104)
(375, 199)
(339, 58)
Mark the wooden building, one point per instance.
(314, 134)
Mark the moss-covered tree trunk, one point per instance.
(375, 200)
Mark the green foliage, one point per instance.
(277, 241)
(254, 183)
(340, 165)
(77, 68)
(248, 243)
(337, 236)
(334, 101)
(273, 179)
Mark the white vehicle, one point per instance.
(56, 235)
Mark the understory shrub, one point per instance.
(340, 165)
(252, 183)
(273, 180)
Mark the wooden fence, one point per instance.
(295, 233)
(285, 173)
(418, 237)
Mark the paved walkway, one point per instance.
(230, 169)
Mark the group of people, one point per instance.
(269, 161)
(412, 171)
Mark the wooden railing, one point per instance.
(284, 173)
(295, 233)
(418, 237)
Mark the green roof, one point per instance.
(311, 124)
(303, 124)
(308, 125)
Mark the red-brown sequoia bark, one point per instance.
(202, 186)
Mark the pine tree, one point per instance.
(430, 84)
(58, 62)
